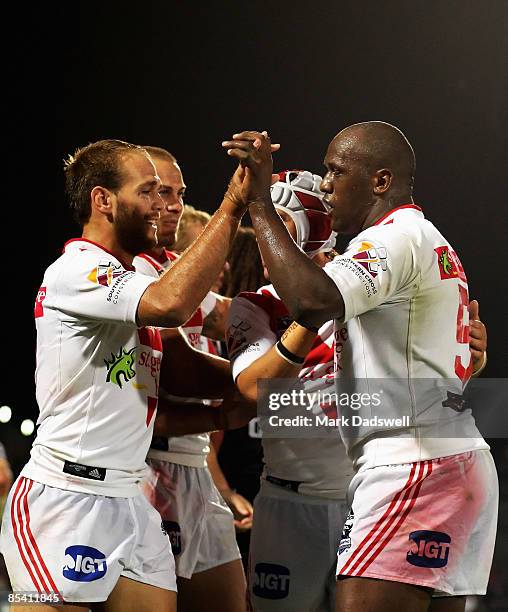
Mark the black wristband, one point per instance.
(309, 327)
(288, 355)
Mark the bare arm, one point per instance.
(172, 300)
(308, 293)
(241, 507)
(297, 340)
(214, 324)
(174, 419)
(187, 372)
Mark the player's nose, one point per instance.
(326, 183)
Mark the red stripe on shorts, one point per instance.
(34, 543)
(417, 486)
(377, 526)
(14, 502)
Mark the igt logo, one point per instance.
(271, 581)
(84, 563)
(38, 310)
(173, 532)
(428, 548)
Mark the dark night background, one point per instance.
(185, 76)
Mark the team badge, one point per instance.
(446, 263)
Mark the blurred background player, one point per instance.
(198, 521)
(236, 456)
(301, 507)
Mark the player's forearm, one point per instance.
(175, 419)
(273, 364)
(218, 477)
(184, 419)
(214, 324)
(173, 299)
(308, 293)
(187, 372)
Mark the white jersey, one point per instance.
(97, 375)
(192, 449)
(406, 307)
(256, 322)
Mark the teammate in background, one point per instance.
(236, 456)
(302, 503)
(5, 474)
(416, 539)
(191, 225)
(245, 269)
(75, 526)
(179, 485)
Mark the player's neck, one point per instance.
(108, 241)
(383, 207)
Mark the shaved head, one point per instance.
(379, 145)
(370, 169)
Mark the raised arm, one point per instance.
(310, 295)
(171, 301)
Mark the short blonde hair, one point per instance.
(191, 216)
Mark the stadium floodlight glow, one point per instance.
(27, 427)
(5, 414)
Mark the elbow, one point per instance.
(309, 313)
(170, 315)
(317, 309)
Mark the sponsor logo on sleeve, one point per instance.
(236, 339)
(173, 531)
(449, 264)
(271, 581)
(121, 367)
(38, 309)
(84, 563)
(372, 258)
(105, 273)
(446, 264)
(428, 548)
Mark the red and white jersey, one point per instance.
(192, 449)
(97, 375)
(406, 311)
(256, 323)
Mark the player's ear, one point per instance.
(101, 199)
(382, 180)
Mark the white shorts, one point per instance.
(430, 523)
(78, 545)
(293, 551)
(199, 523)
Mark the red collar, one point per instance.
(99, 246)
(164, 257)
(393, 210)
